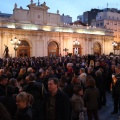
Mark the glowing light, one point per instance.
(11, 26)
(29, 27)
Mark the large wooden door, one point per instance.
(53, 49)
(23, 52)
(97, 48)
(23, 49)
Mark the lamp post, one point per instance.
(114, 44)
(76, 45)
(15, 42)
(65, 50)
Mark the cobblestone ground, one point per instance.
(105, 112)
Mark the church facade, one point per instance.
(44, 34)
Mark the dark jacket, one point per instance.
(10, 104)
(37, 90)
(90, 97)
(116, 90)
(62, 106)
(25, 114)
(2, 90)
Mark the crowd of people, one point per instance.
(58, 88)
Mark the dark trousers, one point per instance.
(92, 114)
(116, 103)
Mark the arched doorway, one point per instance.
(23, 49)
(97, 48)
(77, 50)
(53, 49)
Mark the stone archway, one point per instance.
(97, 48)
(23, 49)
(53, 49)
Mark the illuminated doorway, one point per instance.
(23, 49)
(53, 49)
(97, 48)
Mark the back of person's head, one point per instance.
(91, 82)
(82, 70)
(4, 115)
(77, 88)
(63, 78)
(2, 77)
(98, 73)
(19, 78)
(13, 82)
(32, 77)
(10, 90)
(1, 71)
(38, 74)
(30, 70)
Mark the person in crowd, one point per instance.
(110, 72)
(82, 76)
(4, 115)
(68, 89)
(38, 91)
(116, 90)
(62, 82)
(91, 96)
(77, 102)
(3, 83)
(13, 82)
(24, 111)
(100, 85)
(22, 73)
(1, 72)
(20, 83)
(9, 100)
(56, 104)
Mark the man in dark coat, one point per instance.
(37, 91)
(116, 90)
(3, 83)
(56, 104)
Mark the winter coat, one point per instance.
(91, 96)
(77, 106)
(25, 114)
(62, 106)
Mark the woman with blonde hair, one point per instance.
(23, 105)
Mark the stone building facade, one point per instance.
(44, 34)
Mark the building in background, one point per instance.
(88, 16)
(110, 20)
(44, 34)
(66, 19)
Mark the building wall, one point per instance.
(48, 27)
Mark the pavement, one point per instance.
(105, 111)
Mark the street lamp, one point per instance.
(114, 44)
(76, 45)
(15, 42)
(65, 50)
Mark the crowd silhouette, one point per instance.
(57, 88)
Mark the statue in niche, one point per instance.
(31, 1)
(15, 6)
